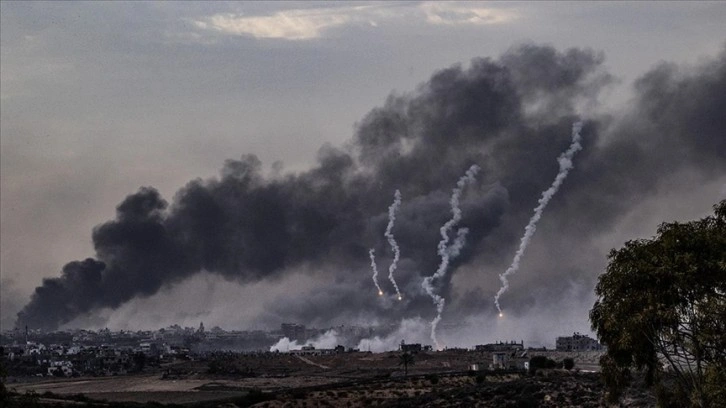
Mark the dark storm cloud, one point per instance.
(511, 116)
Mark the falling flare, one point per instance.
(392, 241)
(372, 254)
(565, 161)
(447, 253)
(501, 314)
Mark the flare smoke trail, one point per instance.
(448, 253)
(392, 241)
(565, 161)
(452, 252)
(372, 254)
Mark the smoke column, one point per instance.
(372, 254)
(448, 253)
(565, 161)
(396, 251)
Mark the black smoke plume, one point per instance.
(512, 116)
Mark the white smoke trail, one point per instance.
(391, 241)
(372, 254)
(565, 161)
(455, 248)
(448, 253)
(451, 253)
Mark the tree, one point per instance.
(538, 362)
(405, 360)
(139, 361)
(4, 393)
(661, 308)
(568, 363)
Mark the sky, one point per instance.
(233, 163)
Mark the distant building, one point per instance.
(510, 361)
(456, 350)
(410, 348)
(501, 347)
(310, 350)
(577, 342)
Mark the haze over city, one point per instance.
(236, 163)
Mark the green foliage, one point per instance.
(4, 393)
(662, 302)
(568, 363)
(715, 383)
(538, 362)
(668, 396)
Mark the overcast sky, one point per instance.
(101, 98)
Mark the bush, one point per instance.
(254, 395)
(433, 378)
(527, 401)
(299, 394)
(568, 363)
(670, 396)
(538, 362)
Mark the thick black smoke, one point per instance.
(511, 116)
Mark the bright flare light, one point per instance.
(399, 297)
(501, 314)
(380, 293)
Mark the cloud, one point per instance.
(312, 23)
(443, 13)
(287, 24)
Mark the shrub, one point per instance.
(299, 394)
(538, 362)
(568, 363)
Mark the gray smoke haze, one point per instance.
(512, 116)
